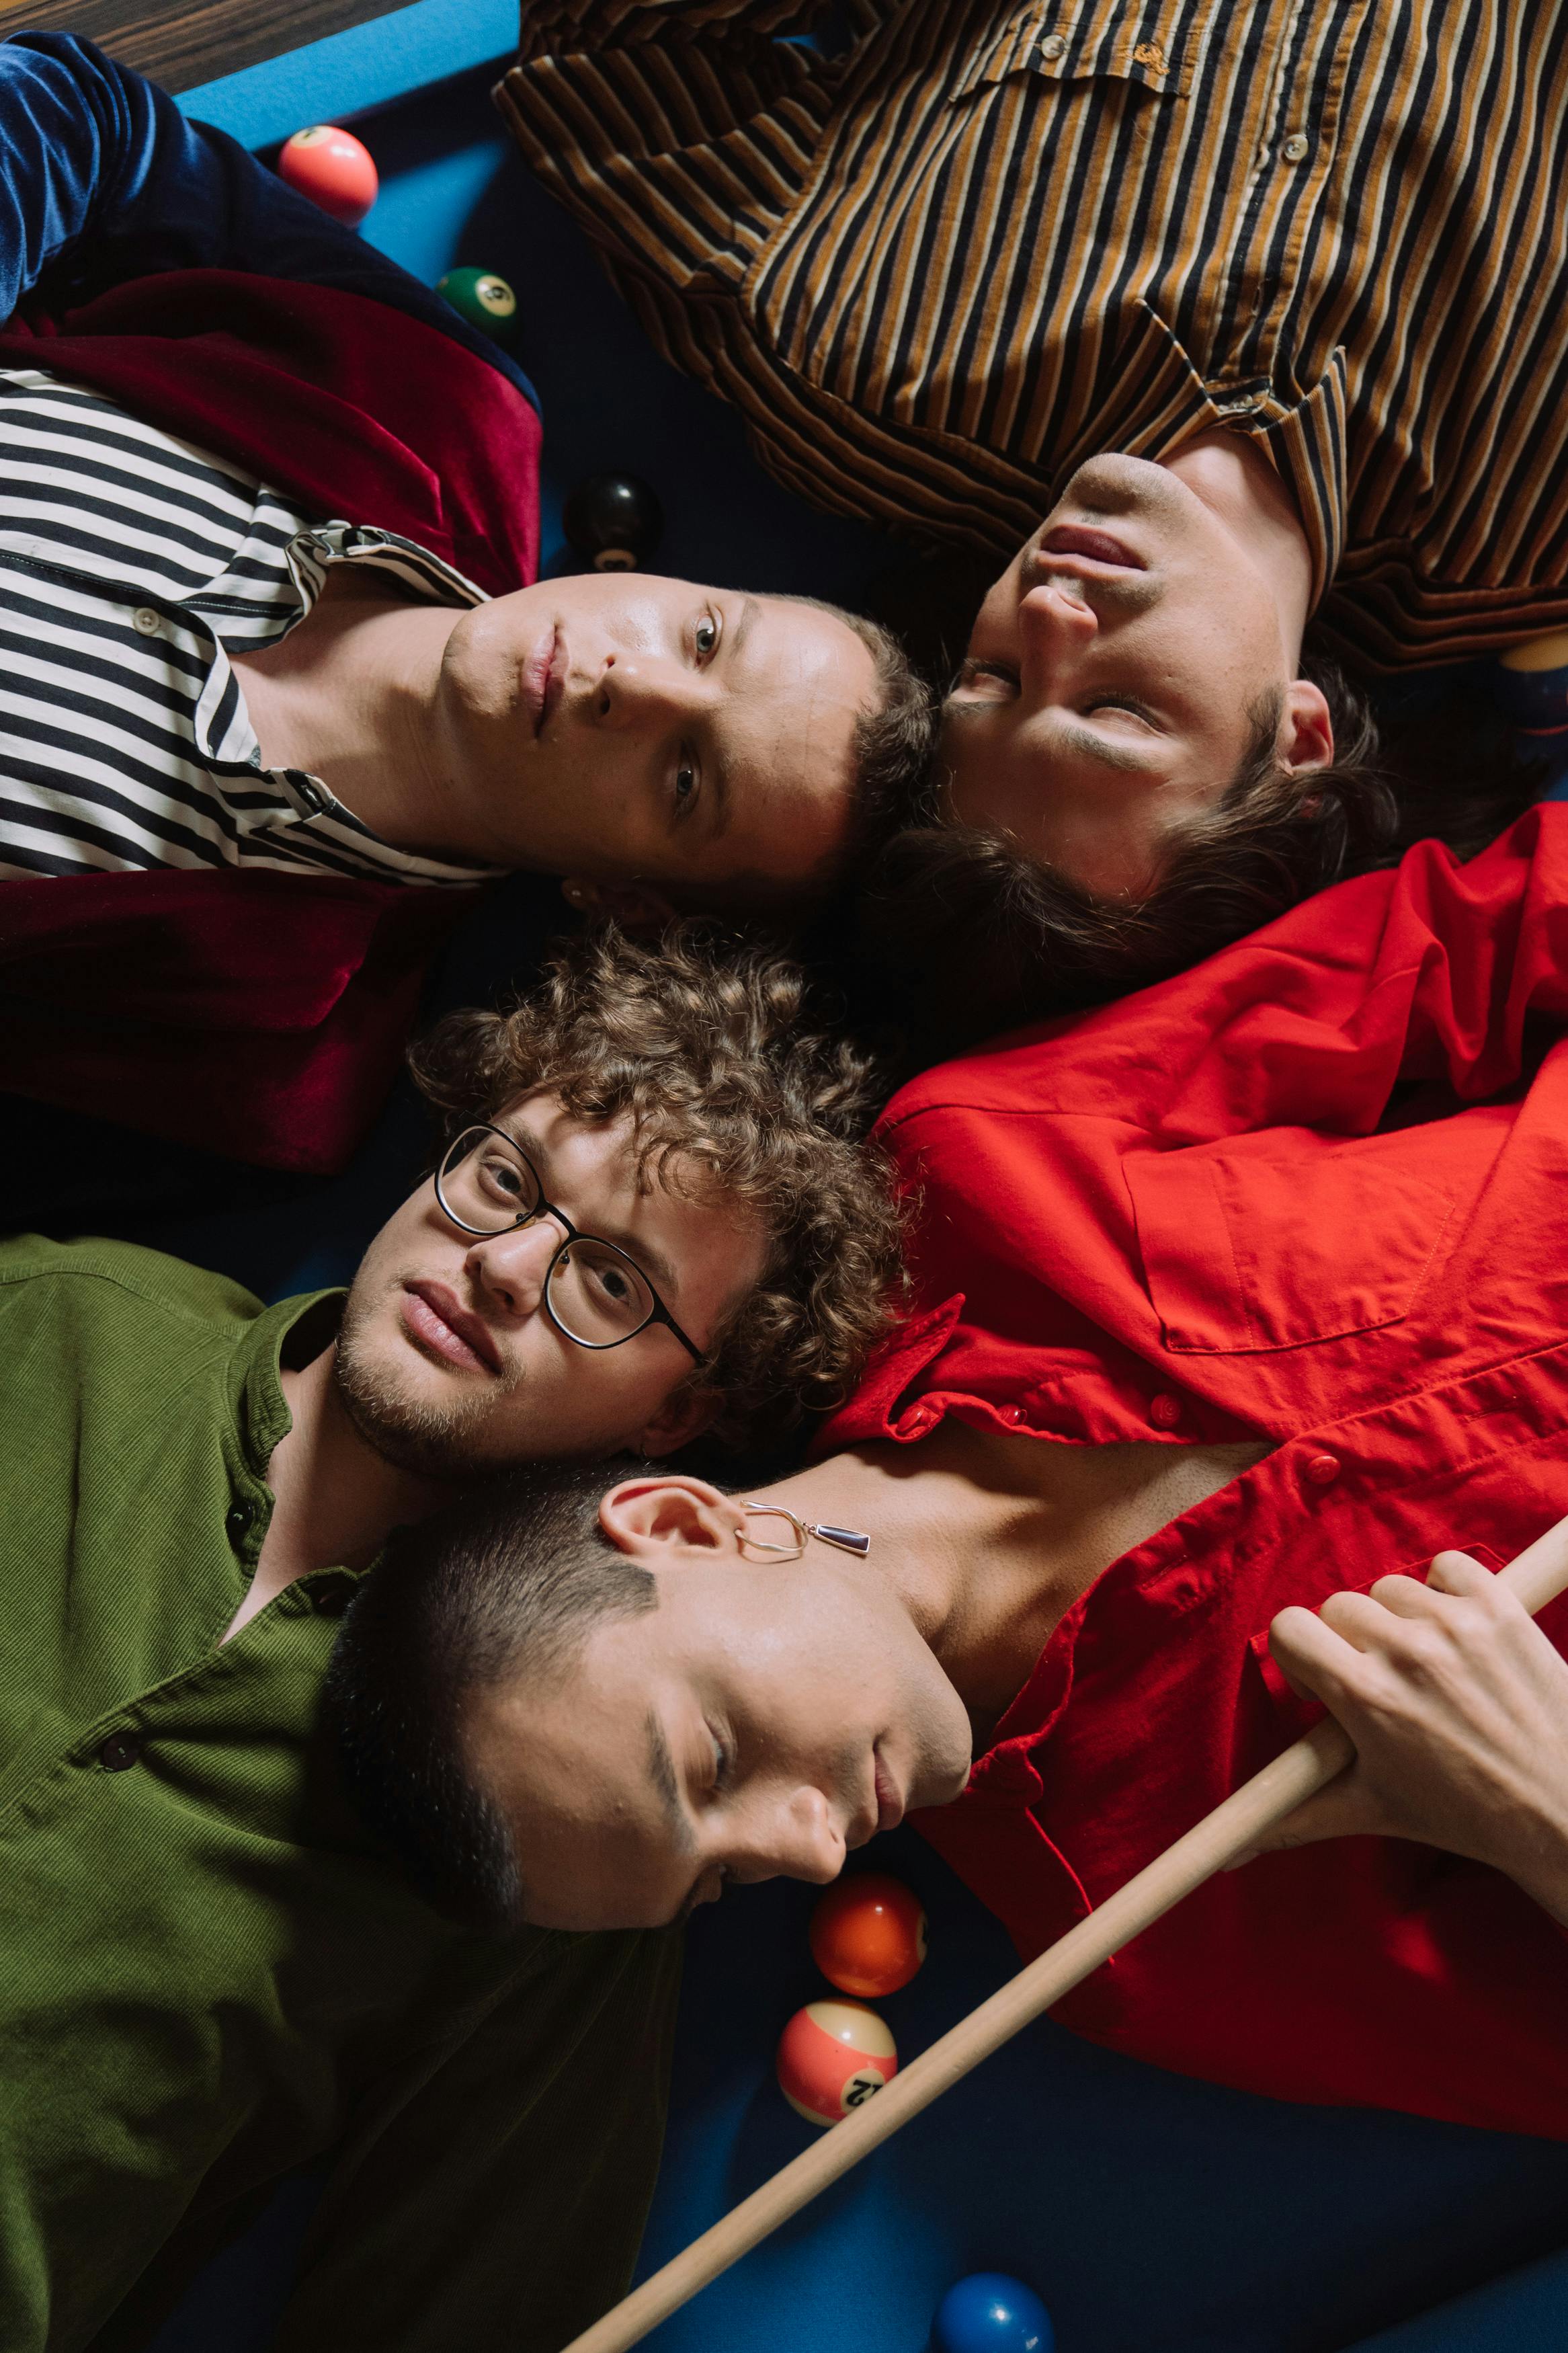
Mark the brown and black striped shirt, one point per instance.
(939, 268)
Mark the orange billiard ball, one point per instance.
(832, 2056)
(333, 169)
(868, 1935)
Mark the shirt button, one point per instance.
(119, 1751)
(918, 1420)
(1165, 1410)
(1295, 148)
(1015, 1414)
(145, 619)
(1322, 1469)
(238, 1524)
(1053, 47)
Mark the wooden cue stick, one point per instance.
(1536, 1578)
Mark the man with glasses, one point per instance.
(655, 1216)
(1238, 1305)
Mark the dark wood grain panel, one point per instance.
(182, 42)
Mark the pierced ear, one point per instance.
(636, 906)
(1306, 731)
(651, 1519)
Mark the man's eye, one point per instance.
(502, 1177)
(976, 674)
(707, 634)
(685, 787)
(1121, 703)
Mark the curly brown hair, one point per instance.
(738, 1084)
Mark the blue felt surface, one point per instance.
(1154, 2215)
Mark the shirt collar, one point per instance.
(292, 1331)
(1300, 430)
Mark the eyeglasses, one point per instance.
(593, 1294)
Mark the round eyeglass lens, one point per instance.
(597, 1294)
(486, 1184)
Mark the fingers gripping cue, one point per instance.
(1536, 1578)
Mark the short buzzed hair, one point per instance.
(506, 1585)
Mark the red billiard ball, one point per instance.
(832, 2056)
(868, 1935)
(332, 169)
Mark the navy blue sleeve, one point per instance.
(102, 179)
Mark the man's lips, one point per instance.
(437, 1319)
(1099, 546)
(544, 676)
(890, 1798)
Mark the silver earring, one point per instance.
(841, 1539)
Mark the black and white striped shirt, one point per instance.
(130, 563)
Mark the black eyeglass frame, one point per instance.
(658, 1314)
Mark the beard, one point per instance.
(453, 1442)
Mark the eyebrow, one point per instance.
(645, 1254)
(1110, 755)
(661, 1772)
(1078, 739)
(733, 647)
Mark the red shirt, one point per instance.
(1315, 1192)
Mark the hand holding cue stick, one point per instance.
(1536, 1578)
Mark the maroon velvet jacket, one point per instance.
(138, 996)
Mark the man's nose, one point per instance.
(642, 689)
(806, 1842)
(1056, 624)
(510, 1269)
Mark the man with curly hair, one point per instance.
(653, 1214)
(1238, 1307)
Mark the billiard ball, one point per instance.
(614, 521)
(989, 2313)
(832, 2056)
(868, 1935)
(481, 298)
(332, 169)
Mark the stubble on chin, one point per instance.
(450, 1439)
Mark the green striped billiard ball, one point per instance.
(481, 298)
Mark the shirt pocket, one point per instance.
(1244, 1251)
(1104, 40)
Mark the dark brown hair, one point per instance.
(966, 937)
(508, 1582)
(738, 1086)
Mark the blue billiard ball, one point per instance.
(989, 2313)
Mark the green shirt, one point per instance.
(209, 1972)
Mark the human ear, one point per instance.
(651, 1519)
(678, 1421)
(636, 906)
(1306, 738)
